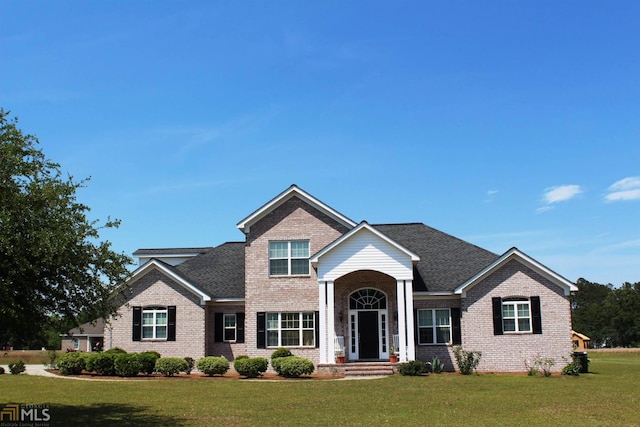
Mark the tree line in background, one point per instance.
(609, 316)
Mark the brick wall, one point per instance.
(426, 352)
(510, 352)
(230, 350)
(293, 220)
(157, 289)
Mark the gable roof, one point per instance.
(515, 254)
(293, 191)
(445, 261)
(95, 328)
(219, 272)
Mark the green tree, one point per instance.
(623, 308)
(588, 312)
(52, 262)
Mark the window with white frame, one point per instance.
(76, 344)
(434, 326)
(154, 323)
(289, 258)
(516, 315)
(229, 327)
(291, 329)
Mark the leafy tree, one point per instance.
(623, 308)
(52, 264)
(589, 315)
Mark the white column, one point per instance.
(331, 320)
(322, 301)
(402, 333)
(411, 345)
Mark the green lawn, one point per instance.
(610, 395)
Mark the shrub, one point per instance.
(573, 368)
(294, 366)
(435, 366)
(71, 363)
(212, 365)
(126, 364)
(16, 368)
(1, 370)
(101, 363)
(412, 368)
(467, 360)
(116, 350)
(242, 356)
(169, 366)
(190, 365)
(251, 367)
(281, 352)
(540, 366)
(147, 360)
(53, 356)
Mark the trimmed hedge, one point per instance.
(251, 367)
(169, 366)
(293, 366)
(127, 364)
(17, 368)
(281, 352)
(71, 363)
(412, 368)
(212, 365)
(101, 363)
(147, 360)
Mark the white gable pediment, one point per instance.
(364, 248)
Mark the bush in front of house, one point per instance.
(127, 364)
(190, 364)
(169, 366)
(16, 368)
(467, 360)
(251, 367)
(116, 350)
(147, 360)
(281, 352)
(412, 368)
(101, 363)
(212, 365)
(294, 366)
(71, 363)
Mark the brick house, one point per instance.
(308, 278)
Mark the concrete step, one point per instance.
(369, 369)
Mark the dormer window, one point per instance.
(289, 258)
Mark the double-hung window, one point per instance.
(229, 327)
(434, 326)
(290, 329)
(154, 323)
(516, 315)
(289, 258)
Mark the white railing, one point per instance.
(339, 344)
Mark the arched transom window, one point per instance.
(367, 299)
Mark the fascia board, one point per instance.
(290, 192)
(515, 253)
(153, 263)
(363, 225)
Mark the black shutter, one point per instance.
(261, 339)
(137, 323)
(456, 331)
(171, 324)
(316, 324)
(416, 329)
(536, 318)
(240, 327)
(497, 315)
(218, 327)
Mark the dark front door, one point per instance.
(368, 333)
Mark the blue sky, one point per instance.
(508, 123)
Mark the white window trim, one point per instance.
(515, 301)
(155, 310)
(434, 327)
(300, 329)
(226, 328)
(289, 258)
(76, 343)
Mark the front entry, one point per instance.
(368, 335)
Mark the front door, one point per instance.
(368, 335)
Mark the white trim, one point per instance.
(322, 318)
(410, 321)
(521, 257)
(228, 300)
(293, 190)
(362, 226)
(155, 264)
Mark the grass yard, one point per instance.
(610, 395)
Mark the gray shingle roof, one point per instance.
(218, 272)
(171, 251)
(445, 261)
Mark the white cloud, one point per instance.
(561, 193)
(625, 189)
(491, 194)
(543, 209)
